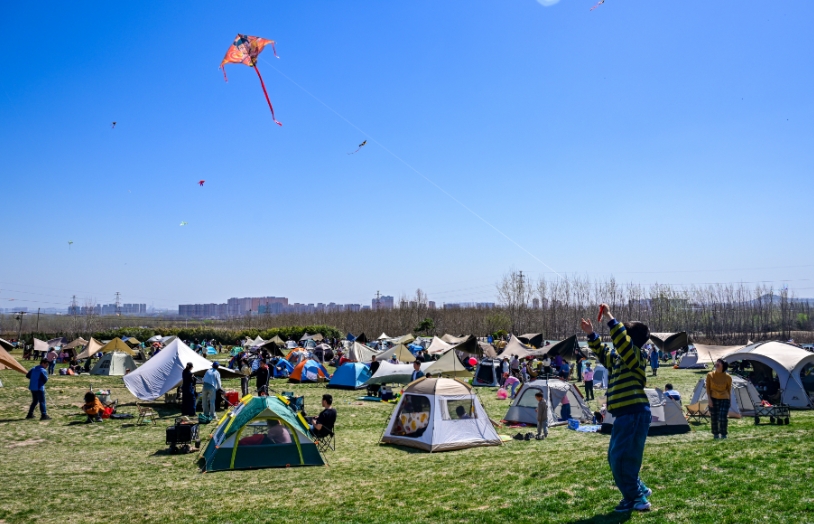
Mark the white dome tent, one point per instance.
(440, 414)
(523, 407)
(780, 365)
(699, 355)
(744, 397)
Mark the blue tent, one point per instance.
(308, 371)
(211, 351)
(282, 368)
(351, 375)
(415, 348)
(350, 337)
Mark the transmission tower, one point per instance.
(118, 304)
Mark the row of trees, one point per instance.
(721, 313)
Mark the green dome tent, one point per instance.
(261, 432)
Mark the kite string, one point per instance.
(416, 171)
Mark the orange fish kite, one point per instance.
(245, 50)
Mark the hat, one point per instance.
(215, 365)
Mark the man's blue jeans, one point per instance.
(37, 397)
(51, 366)
(626, 450)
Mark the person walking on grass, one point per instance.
(654, 360)
(719, 394)
(588, 376)
(211, 386)
(628, 403)
(187, 391)
(542, 416)
(38, 376)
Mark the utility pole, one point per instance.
(20, 315)
(118, 304)
(37, 329)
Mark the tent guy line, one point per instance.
(416, 171)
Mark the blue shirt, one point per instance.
(38, 377)
(211, 379)
(673, 394)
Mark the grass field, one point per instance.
(66, 471)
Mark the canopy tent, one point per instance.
(360, 353)
(515, 347)
(700, 355)
(5, 344)
(451, 339)
(132, 341)
(76, 343)
(168, 340)
(448, 366)
(395, 373)
(261, 432)
(351, 375)
(317, 337)
(487, 349)
(666, 416)
(162, 373)
(350, 337)
(383, 336)
(487, 374)
(114, 364)
(471, 346)
(273, 347)
(362, 338)
(116, 344)
(782, 368)
(523, 408)
(668, 342)
(743, 400)
(404, 339)
(532, 339)
(91, 349)
(41, 346)
(403, 354)
(154, 338)
(7, 361)
(440, 414)
(438, 346)
(277, 340)
(309, 370)
(567, 349)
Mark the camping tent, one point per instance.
(450, 339)
(515, 347)
(114, 364)
(351, 375)
(532, 339)
(700, 355)
(76, 343)
(438, 346)
(6, 360)
(487, 373)
(261, 432)
(778, 366)
(383, 336)
(448, 366)
(308, 371)
(395, 373)
(600, 376)
(524, 405)
(666, 416)
(567, 349)
(91, 349)
(357, 352)
(117, 344)
(743, 400)
(281, 368)
(440, 414)
(162, 373)
(669, 342)
(362, 338)
(404, 339)
(402, 354)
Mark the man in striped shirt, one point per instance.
(628, 404)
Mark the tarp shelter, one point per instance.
(568, 349)
(362, 338)
(114, 364)
(524, 404)
(154, 338)
(403, 354)
(451, 339)
(162, 373)
(404, 339)
(273, 348)
(667, 418)
(742, 402)
(438, 346)
(91, 349)
(470, 346)
(132, 342)
(351, 375)
(395, 373)
(41, 346)
(168, 340)
(669, 342)
(440, 414)
(350, 337)
(448, 366)
(309, 370)
(532, 339)
(360, 353)
(487, 373)
(116, 345)
(7, 361)
(778, 367)
(76, 343)
(5, 344)
(487, 350)
(261, 432)
(317, 337)
(701, 355)
(515, 347)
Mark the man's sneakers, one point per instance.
(30, 415)
(45, 417)
(723, 436)
(640, 504)
(647, 493)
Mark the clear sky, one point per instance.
(661, 141)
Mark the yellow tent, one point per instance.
(117, 344)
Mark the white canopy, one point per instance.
(383, 336)
(438, 346)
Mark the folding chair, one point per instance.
(145, 413)
(328, 442)
(698, 412)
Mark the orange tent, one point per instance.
(307, 371)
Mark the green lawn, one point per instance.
(65, 471)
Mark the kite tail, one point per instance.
(274, 49)
(224, 73)
(263, 85)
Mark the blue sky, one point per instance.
(655, 141)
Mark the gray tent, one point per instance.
(524, 404)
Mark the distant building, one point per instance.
(383, 302)
(431, 304)
(470, 305)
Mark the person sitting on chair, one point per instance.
(323, 424)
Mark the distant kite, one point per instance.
(598, 4)
(113, 126)
(183, 223)
(201, 182)
(360, 147)
(245, 50)
(69, 243)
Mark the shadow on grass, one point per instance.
(611, 517)
(405, 449)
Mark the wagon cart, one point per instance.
(182, 434)
(777, 414)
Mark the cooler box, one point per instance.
(233, 397)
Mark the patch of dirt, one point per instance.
(29, 442)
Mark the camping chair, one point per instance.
(328, 442)
(698, 412)
(146, 413)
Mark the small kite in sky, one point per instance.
(201, 182)
(69, 243)
(113, 126)
(598, 4)
(360, 147)
(183, 223)
(245, 50)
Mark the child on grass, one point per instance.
(93, 408)
(628, 403)
(542, 416)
